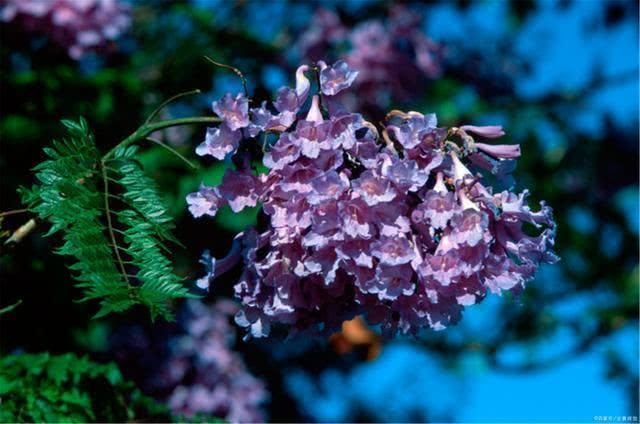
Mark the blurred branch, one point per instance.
(13, 212)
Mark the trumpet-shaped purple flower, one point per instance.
(234, 111)
(219, 142)
(436, 210)
(442, 268)
(205, 201)
(239, 190)
(335, 78)
(373, 189)
(282, 153)
(393, 250)
(414, 130)
(328, 186)
(405, 174)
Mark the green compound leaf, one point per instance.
(71, 196)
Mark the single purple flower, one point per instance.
(205, 201)
(239, 189)
(373, 189)
(335, 78)
(443, 268)
(405, 174)
(469, 227)
(437, 209)
(328, 186)
(356, 217)
(233, 111)
(414, 130)
(261, 119)
(282, 153)
(219, 142)
(393, 250)
(391, 282)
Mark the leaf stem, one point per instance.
(141, 133)
(145, 130)
(169, 100)
(109, 223)
(174, 151)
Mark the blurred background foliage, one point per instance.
(562, 77)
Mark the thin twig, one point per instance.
(13, 212)
(169, 100)
(235, 70)
(174, 151)
(109, 223)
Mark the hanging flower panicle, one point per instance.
(392, 224)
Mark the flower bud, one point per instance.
(490, 131)
(501, 151)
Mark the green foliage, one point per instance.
(76, 194)
(67, 388)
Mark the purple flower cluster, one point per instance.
(394, 57)
(76, 25)
(391, 224)
(207, 376)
